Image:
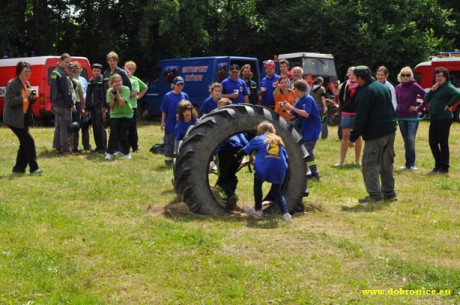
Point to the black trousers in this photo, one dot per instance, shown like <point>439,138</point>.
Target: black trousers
<point>76,117</point>
<point>227,167</point>
<point>132,135</point>
<point>119,128</point>
<point>99,133</point>
<point>438,137</point>
<point>27,154</point>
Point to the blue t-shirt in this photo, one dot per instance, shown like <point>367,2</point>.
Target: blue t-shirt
<point>310,127</point>
<point>182,127</point>
<point>270,161</point>
<point>234,143</point>
<point>169,106</point>
<point>270,85</point>
<point>229,86</point>
<point>208,105</point>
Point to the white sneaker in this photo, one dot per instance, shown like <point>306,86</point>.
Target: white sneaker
<point>118,153</point>
<point>286,217</point>
<point>36,172</point>
<point>108,157</point>
<point>251,212</point>
<point>403,167</point>
<point>128,156</point>
<point>413,168</point>
<point>340,165</point>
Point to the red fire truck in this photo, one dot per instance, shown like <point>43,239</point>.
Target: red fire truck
<point>42,66</point>
<point>423,74</point>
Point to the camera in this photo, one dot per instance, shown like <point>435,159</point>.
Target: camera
<point>33,92</point>
<point>114,92</point>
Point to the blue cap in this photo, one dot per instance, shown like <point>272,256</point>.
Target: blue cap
<point>178,80</point>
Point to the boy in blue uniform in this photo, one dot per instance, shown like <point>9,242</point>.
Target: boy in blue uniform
<point>305,108</point>
<point>227,164</point>
<point>169,108</point>
<point>234,88</point>
<point>270,166</point>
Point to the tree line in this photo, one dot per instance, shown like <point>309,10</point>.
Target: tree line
<point>394,33</point>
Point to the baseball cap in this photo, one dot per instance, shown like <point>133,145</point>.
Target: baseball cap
<point>270,63</point>
<point>362,71</point>
<point>178,80</point>
<point>234,68</point>
<point>96,66</point>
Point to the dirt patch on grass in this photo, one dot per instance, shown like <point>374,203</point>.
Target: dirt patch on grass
<point>172,209</point>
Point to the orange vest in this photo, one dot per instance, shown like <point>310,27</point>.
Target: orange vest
<point>25,104</point>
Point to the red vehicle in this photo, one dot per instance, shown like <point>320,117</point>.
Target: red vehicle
<point>42,66</point>
<point>423,74</point>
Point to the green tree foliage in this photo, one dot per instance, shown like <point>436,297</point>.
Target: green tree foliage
<point>393,32</point>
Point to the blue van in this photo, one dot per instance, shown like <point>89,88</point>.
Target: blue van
<point>198,72</point>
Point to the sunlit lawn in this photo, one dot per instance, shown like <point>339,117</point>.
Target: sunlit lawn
<point>94,232</point>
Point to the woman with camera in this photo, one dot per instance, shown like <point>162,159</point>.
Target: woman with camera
<point>19,98</point>
<point>121,114</point>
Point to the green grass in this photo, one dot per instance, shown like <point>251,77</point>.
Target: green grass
<point>94,232</point>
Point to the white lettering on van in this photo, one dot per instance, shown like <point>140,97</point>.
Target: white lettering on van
<point>2,91</point>
<point>193,78</point>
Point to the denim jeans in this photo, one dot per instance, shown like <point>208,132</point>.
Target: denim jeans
<point>408,131</point>
<point>276,189</point>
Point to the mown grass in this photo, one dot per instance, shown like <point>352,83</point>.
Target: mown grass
<point>92,232</point>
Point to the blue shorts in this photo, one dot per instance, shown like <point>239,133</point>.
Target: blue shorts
<point>347,120</point>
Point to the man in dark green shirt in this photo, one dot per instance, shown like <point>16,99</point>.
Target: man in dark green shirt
<point>375,121</point>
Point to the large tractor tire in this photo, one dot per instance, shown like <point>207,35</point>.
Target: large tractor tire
<point>192,162</point>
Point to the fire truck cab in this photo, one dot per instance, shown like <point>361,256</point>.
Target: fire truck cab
<point>42,67</point>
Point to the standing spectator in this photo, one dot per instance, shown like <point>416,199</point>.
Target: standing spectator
<point>347,102</point>
<point>296,74</point>
<point>375,121</point>
<point>268,85</point>
<point>382,76</point>
<point>169,108</point>
<point>85,118</point>
<point>139,88</point>
<point>121,114</point>
<point>318,92</point>
<point>234,87</point>
<point>211,102</point>
<point>407,115</point>
<point>284,67</point>
<point>310,126</point>
<point>80,105</point>
<point>112,61</point>
<point>19,98</point>
<point>442,96</point>
<point>246,74</point>
<point>270,166</point>
<point>94,104</point>
<point>62,105</point>
<point>283,95</point>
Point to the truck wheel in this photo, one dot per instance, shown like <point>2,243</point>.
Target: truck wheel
<point>145,114</point>
<point>191,165</point>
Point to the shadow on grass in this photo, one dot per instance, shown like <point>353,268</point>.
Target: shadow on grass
<point>371,207</point>
<point>348,166</point>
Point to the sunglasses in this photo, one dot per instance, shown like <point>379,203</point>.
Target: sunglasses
<point>405,75</point>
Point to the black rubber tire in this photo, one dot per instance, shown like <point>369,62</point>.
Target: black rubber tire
<point>191,165</point>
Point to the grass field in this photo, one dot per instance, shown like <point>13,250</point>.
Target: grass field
<point>94,232</point>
